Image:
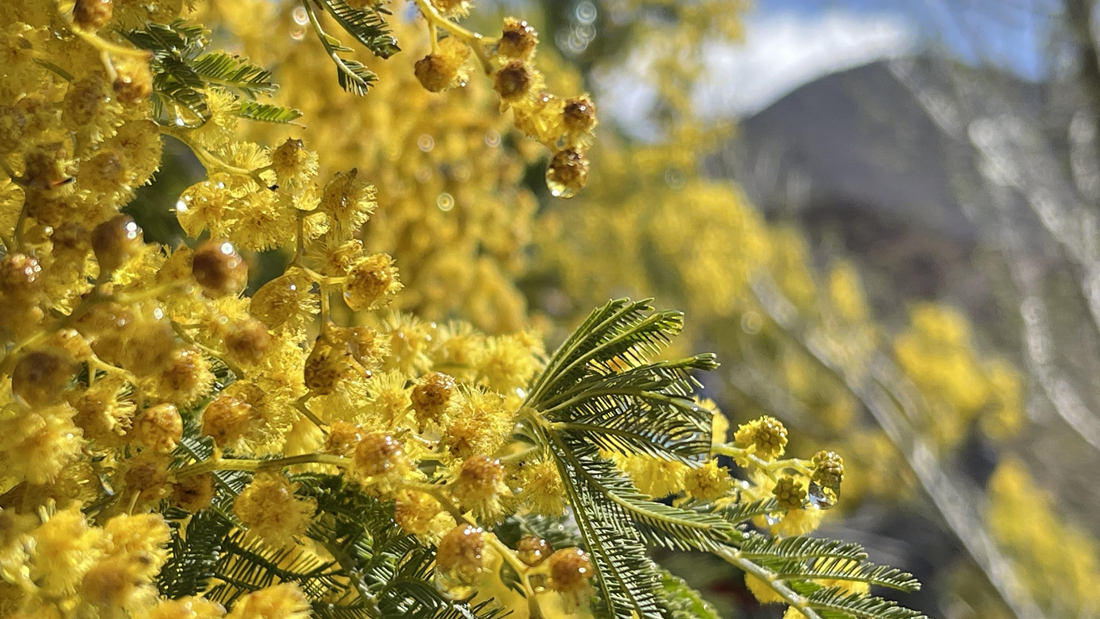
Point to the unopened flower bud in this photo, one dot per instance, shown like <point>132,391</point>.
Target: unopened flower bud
<point>92,14</point>
<point>570,570</point>
<point>226,418</point>
<point>247,341</point>
<point>478,481</point>
<point>40,377</point>
<point>193,492</point>
<point>579,115</point>
<point>461,552</point>
<point>159,428</point>
<point>115,241</point>
<point>219,269</point>
<point>377,454</point>
<point>532,550</point>
<point>134,82</point>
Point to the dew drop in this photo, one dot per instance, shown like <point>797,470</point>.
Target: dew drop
<point>820,496</point>
<point>557,188</point>
<point>451,586</point>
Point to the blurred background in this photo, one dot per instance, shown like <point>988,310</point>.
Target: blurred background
<point>882,215</point>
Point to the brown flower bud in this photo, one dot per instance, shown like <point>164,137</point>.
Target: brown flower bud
<point>226,418</point>
<point>193,492</point>
<point>532,550</point>
<point>479,480</point>
<point>40,377</point>
<point>378,453</point>
<point>513,80</point>
<point>570,570</point>
<point>219,269</point>
<point>461,552</point>
<point>579,114</point>
<point>343,438</point>
<point>92,14</point>
<point>517,40</point>
<point>134,82</point>
<point>115,241</point>
<point>247,341</point>
<point>159,428</point>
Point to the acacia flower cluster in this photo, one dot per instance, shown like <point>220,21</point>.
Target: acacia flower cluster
<point>174,446</point>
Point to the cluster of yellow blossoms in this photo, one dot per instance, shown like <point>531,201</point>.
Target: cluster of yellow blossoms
<point>126,358</point>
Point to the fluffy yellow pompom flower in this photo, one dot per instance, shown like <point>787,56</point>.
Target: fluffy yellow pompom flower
<point>269,509</point>
<point>284,601</point>
<point>65,547</point>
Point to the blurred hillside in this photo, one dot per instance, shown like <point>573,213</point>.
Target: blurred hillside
<point>950,183</point>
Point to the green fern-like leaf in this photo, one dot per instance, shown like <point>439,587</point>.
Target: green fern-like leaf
<point>367,25</point>
<point>265,112</point>
<point>233,73</point>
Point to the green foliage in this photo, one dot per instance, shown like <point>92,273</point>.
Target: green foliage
<point>366,25</point>
<point>600,390</point>
<point>182,72</point>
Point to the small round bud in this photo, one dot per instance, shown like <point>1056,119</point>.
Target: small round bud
<point>219,269</point>
<point>532,550</point>
<point>226,418</point>
<point>570,570</point>
<point>478,481</point>
<point>343,438</point>
<point>828,469</point>
<point>159,428</point>
<point>147,476</point>
<point>789,493</point>
<point>327,366</point>
<point>186,377</point>
<point>40,377</point>
<point>370,282</point>
<point>92,14</point>
<point>431,395</point>
<point>567,173</point>
<point>579,115</point>
<point>193,492</point>
<point>285,300</point>
<point>513,80</point>
<point>461,552</point>
<point>134,82</point>
<point>434,73</point>
<point>247,341</point>
<point>517,40</point>
<point>443,68</point>
<point>377,454</point>
<point>115,241</point>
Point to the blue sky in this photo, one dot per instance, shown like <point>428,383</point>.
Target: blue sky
<point>791,42</point>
